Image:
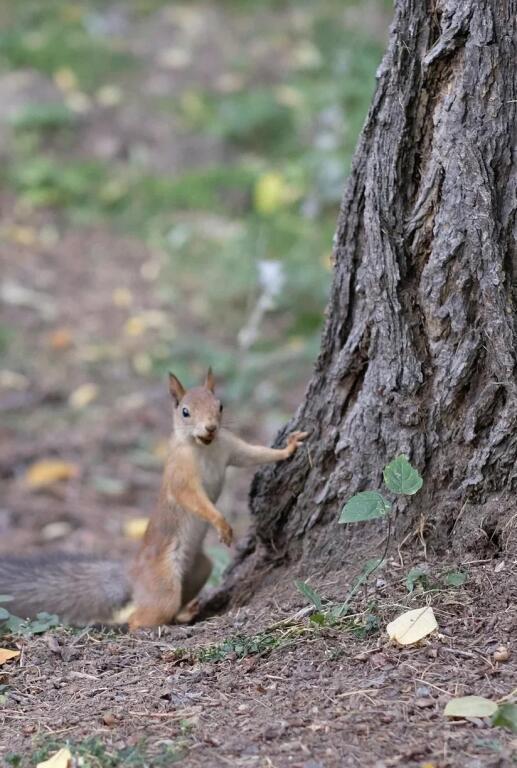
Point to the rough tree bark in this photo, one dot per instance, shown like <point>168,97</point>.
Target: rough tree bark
<point>419,350</point>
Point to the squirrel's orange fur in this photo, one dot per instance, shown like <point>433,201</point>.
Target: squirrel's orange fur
<point>171,568</point>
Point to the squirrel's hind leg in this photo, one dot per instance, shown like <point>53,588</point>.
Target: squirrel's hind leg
<point>156,595</point>
<point>196,578</point>
<point>193,583</point>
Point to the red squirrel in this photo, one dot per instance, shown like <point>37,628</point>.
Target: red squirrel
<point>170,568</point>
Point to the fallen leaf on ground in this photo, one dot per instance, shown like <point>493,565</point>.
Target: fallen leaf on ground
<point>61,338</point>
<point>412,626</point>
<point>122,297</point>
<point>135,528</point>
<point>65,79</point>
<point>272,192</point>
<point>83,396</point>
<point>501,654</point>
<point>56,530</point>
<point>13,380</point>
<point>6,655</point>
<point>109,95</point>
<point>61,759</point>
<point>49,471</point>
<point>470,706</point>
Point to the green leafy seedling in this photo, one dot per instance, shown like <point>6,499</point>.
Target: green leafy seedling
<point>415,576</point>
<point>367,505</point>
<point>310,594</point>
<point>401,477</point>
<point>369,567</point>
<point>506,717</point>
<point>456,578</point>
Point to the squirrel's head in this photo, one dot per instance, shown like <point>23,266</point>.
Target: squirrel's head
<point>197,411</point>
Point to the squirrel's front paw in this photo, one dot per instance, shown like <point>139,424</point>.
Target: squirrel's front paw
<point>225,532</point>
<point>294,440</point>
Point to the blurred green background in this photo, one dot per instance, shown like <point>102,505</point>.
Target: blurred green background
<point>170,181</point>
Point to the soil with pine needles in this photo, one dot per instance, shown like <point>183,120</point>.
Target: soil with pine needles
<point>265,686</point>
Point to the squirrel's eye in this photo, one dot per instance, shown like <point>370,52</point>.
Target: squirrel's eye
<point>186,413</point>
<point>221,408</point>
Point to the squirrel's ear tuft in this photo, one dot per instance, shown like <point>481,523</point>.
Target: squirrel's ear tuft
<point>210,381</point>
<point>176,388</point>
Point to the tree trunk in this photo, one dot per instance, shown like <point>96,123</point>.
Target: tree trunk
<point>419,350</point>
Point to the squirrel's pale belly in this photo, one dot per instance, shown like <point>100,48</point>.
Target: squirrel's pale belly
<point>191,534</point>
<point>212,468</point>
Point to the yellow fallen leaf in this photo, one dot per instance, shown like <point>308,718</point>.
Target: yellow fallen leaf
<point>109,95</point>
<point>412,626</point>
<point>272,192</point>
<point>122,297</point>
<point>61,338</point>
<point>13,380</point>
<point>470,706</point>
<point>6,654</point>
<point>289,96</point>
<point>135,326</point>
<point>152,319</point>
<point>83,396</point>
<point>49,471</point>
<point>65,79</point>
<point>230,82</point>
<point>174,58</point>
<point>142,363</point>
<point>78,102</point>
<point>136,528</point>
<point>269,193</point>
<point>306,56</point>
<point>61,759</point>
<point>23,235</point>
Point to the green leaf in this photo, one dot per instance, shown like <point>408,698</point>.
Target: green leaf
<point>366,505</point>
<point>506,717</point>
<point>415,575</point>
<point>470,706</point>
<point>14,624</point>
<point>318,618</point>
<point>4,614</point>
<point>401,477</point>
<point>456,578</point>
<point>310,594</point>
<point>25,627</point>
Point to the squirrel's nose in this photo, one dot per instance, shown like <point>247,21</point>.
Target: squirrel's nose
<point>211,428</point>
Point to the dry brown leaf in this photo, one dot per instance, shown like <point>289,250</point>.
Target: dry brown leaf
<point>412,626</point>
<point>49,471</point>
<point>61,759</point>
<point>6,655</point>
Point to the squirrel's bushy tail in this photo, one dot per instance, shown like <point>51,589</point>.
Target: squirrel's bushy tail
<point>79,588</point>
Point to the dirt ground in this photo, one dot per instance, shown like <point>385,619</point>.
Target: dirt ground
<point>261,685</point>
<point>268,693</point>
